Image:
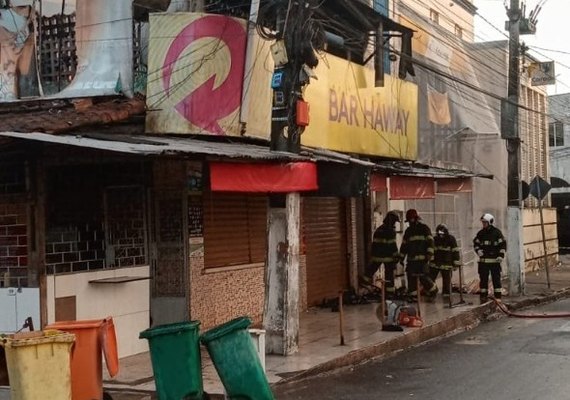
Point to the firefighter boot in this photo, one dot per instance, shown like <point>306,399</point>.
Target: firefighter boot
<point>432,294</point>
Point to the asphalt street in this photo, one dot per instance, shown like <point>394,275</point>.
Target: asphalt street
<point>507,359</point>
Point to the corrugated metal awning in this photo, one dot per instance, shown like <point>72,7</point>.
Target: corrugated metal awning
<point>181,146</point>
<point>417,169</point>
<point>401,168</point>
<point>159,145</point>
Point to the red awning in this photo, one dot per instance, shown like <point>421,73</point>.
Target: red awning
<point>263,177</point>
<point>378,183</point>
<point>410,187</point>
<point>454,185</point>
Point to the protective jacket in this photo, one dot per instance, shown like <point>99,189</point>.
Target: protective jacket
<point>384,246</point>
<point>417,243</point>
<point>491,242</point>
<point>447,254</point>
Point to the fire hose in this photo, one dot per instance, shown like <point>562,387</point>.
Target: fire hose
<point>505,310</point>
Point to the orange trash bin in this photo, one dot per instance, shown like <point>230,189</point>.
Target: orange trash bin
<point>92,338</point>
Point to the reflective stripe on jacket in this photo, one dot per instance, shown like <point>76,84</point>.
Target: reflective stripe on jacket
<point>384,245</point>
<point>417,243</point>
<point>447,254</point>
<point>492,243</point>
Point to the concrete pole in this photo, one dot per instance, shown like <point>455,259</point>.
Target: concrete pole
<point>515,251</point>
<point>281,316</point>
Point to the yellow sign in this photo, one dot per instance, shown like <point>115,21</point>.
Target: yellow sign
<point>349,114</point>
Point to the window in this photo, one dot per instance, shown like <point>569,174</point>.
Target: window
<point>434,16</point>
<point>458,31</point>
<point>96,218</point>
<point>556,134</point>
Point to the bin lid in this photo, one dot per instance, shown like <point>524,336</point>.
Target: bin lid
<point>224,329</point>
<point>84,324</point>
<point>168,329</point>
<point>48,337</point>
<point>109,344</point>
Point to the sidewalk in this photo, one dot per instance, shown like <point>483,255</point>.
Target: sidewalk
<point>320,349</point>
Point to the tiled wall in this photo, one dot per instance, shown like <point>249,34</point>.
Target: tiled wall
<point>126,226</point>
<point>217,297</point>
<point>13,244</point>
<point>75,248</point>
<point>13,224</point>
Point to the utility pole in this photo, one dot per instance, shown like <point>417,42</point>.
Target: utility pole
<point>510,131</point>
<point>282,296</point>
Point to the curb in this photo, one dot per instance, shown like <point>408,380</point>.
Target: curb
<point>539,300</point>
<point>463,321</point>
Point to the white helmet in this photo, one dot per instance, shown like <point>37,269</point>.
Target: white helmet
<point>488,218</point>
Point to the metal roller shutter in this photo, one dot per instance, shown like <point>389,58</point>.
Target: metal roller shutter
<point>235,229</point>
<point>324,229</point>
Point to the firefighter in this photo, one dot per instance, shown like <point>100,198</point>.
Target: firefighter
<point>417,248</point>
<point>385,251</point>
<point>490,246</point>
<point>446,258</point>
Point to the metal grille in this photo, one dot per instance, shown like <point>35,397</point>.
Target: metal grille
<point>57,51</point>
<point>235,229</point>
<point>325,233</point>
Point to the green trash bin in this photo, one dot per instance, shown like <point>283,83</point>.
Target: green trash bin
<point>176,361</point>
<point>233,353</point>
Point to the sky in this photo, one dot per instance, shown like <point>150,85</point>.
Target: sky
<point>552,33</point>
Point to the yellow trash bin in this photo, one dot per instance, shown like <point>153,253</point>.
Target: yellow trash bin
<point>39,367</point>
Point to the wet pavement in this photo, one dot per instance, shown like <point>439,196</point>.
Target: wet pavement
<point>320,340</point>
<point>524,359</point>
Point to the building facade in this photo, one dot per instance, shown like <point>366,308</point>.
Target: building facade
<point>151,193</point>
<point>559,140</point>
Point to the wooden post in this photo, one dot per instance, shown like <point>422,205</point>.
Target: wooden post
<point>450,290</point>
<point>419,291</point>
<point>341,318</point>
<point>383,308</point>
<point>544,242</point>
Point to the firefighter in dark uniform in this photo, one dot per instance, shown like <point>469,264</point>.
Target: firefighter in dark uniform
<point>447,257</point>
<point>490,246</point>
<point>385,251</point>
<point>418,249</point>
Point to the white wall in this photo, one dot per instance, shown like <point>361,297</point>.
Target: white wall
<point>17,304</point>
<point>128,303</point>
